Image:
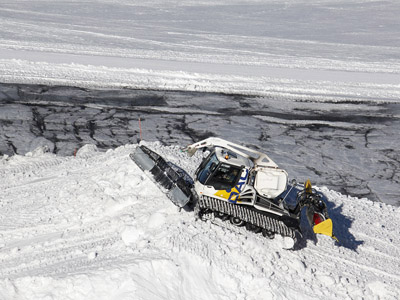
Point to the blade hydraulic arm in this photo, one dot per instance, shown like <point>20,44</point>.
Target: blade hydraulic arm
<point>258,158</point>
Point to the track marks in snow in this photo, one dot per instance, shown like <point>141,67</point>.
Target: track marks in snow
<point>98,219</point>
<point>15,167</point>
<point>57,253</point>
<point>51,224</point>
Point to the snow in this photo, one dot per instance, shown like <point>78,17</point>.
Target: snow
<point>94,226</point>
<point>326,50</point>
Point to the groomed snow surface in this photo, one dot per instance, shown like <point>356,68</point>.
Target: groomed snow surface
<point>342,50</point>
<point>94,226</point>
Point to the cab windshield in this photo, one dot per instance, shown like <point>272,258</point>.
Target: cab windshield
<point>225,177</point>
<point>221,176</point>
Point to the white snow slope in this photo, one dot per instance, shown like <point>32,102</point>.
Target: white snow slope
<point>95,226</point>
<point>337,50</point>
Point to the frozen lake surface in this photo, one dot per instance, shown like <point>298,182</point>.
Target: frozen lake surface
<point>349,147</point>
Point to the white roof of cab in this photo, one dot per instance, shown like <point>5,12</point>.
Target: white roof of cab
<point>232,158</point>
<point>258,158</point>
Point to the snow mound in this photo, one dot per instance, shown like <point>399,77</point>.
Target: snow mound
<point>94,226</point>
<point>86,150</point>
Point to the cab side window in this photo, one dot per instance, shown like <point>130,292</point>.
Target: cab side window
<point>210,166</point>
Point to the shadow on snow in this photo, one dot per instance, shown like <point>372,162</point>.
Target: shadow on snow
<point>341,226</point>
